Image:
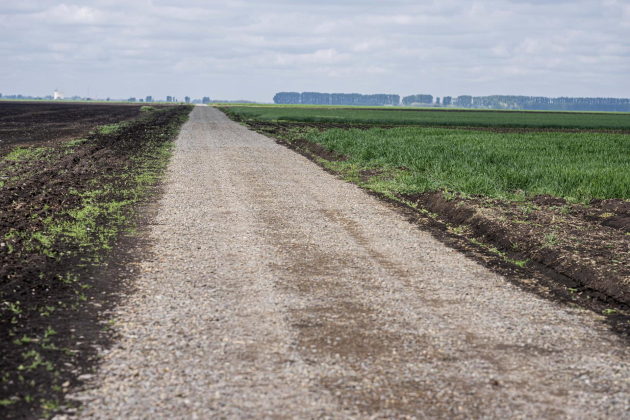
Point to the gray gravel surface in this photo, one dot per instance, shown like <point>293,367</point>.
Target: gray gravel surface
<point>276,290</point>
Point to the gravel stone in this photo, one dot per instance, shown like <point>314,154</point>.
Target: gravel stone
<point>276,290</point>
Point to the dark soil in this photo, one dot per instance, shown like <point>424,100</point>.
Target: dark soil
<point>278,128</point>
<point>44,124</point>
<point>570,239</point>
<point>55,297</point>
<point>573,253</point>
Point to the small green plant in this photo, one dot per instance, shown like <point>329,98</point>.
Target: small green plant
<point>458,230</point>
<point>23,340</point>
<point>49,332</point>
<point>76,142</point>
<point>526,209</point>
<point>50,405</point>
<point>609,311</point>
<point>449,195</point>
<point>519,263</point>
<point>551,239</point>
<point>15,308</point>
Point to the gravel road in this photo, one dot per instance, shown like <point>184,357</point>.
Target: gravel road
<point>276,290</point>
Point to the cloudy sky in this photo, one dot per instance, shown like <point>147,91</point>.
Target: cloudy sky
<point>245,49</point>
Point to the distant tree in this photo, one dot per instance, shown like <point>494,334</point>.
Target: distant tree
<point>187,99</point>
<point>141,100</point>
<point>149,99</point>
<point>315,98</point>
<point>437,101</point>
<point>131,100</point>
<point>206,100</point>
<point>169,99</point>
<point>0,95</point>
<point>464,101</point>
<point>447,101</point>
<point>417,99</point>
<point>287,98</point>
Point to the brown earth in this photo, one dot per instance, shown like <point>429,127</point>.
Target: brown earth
<point>279,128</point>
<point>45,124</point>
<point>571,239</point>
<point>584,249</point>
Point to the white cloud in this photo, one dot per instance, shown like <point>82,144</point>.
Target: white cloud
<point>246,49</point>
<point>320,57</point>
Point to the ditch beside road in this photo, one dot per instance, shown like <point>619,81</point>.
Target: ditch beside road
<point>276,290</point>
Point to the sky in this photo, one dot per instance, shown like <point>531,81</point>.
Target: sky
<point>244,49</point>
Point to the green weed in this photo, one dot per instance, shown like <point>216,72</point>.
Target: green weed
<point>551,239</point>
<point>108,129</point>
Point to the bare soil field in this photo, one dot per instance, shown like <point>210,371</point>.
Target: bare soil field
<point>24,123</point>
<point>585,246</point>
<point>65,212</point>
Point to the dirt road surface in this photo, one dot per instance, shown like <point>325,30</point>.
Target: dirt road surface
<point>275,290</point>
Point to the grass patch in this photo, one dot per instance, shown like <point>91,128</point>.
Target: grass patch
<point>574,166</point>
<point>20,154</point>
<point>110,128</point>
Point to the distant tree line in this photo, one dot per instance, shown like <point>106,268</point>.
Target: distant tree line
<point>316,98</point>
<point>543,103</point>
<point>463,101</point>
